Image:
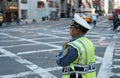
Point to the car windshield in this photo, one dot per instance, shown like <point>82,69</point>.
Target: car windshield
<point>85,14</point>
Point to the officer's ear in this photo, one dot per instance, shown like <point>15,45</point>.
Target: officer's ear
<point>78,30</point>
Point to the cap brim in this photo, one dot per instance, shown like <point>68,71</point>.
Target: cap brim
<point>81,21</point>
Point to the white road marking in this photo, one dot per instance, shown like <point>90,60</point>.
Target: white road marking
<point>29,40</point>
<point>98,33</point>
<point>101,22</point>
<point>115,74</point>
<point>9,40</point>
<point>98,59</point>
<point>24,74</point>
<point>2,56</point>
<point>32,52</point>
<point>28,44</point>
<point>60,32</point>
<point>54,36</point>
<point>116,66</point>
<point>36,51</point>
<point>54,68</point>
<point>18,75</point>
<point>116,60</point>
<point>36,69</point>
<point>57,42</point>
<point>106,62</point>
<point>43,38</point>
<point>117,54</point>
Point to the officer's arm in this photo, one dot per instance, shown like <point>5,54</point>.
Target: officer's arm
<point>66,59</point>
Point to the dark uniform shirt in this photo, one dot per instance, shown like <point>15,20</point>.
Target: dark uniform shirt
<point>71,55</point>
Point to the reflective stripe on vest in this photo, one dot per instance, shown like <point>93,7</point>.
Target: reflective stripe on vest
<point>84,48</point>
<point>80,69</point>
<point>81,49</point>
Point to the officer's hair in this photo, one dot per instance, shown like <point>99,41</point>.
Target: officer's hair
<point>84,30</point>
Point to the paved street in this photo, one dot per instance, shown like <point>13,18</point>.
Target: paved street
<point>29,51</point>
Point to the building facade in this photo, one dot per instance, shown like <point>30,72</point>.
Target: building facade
<point>37,9</point>
<point>116,4</point>
<point>108,5</point>
<point>110,8</point>
<point>28,9</point>
<point>9,8</point>
<point>96,4</point>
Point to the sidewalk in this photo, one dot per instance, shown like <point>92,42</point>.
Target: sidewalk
<point>28,22</point>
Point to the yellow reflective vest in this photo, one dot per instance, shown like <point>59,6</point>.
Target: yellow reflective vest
<point>84,64</point>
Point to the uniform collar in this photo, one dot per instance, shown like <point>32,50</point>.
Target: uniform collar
<point>77,37</point>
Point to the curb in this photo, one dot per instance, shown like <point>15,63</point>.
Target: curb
<point>24,22</point>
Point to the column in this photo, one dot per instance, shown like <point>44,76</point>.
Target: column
<point>19,9</point>
<point>71,8</point>
<point>106,3</point>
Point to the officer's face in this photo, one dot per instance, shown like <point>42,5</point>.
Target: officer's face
<point>73,31</point>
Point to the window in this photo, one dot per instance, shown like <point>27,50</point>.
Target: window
<point>51,3</point>
<point>23,1</point>
<point>56,4</point>
<point>12,4</point>
<point>24,14</point>
<point>40,4</point>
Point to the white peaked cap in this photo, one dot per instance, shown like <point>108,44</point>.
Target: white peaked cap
<point>81,21</point>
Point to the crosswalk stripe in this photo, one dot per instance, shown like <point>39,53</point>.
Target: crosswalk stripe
<point>36,69</point>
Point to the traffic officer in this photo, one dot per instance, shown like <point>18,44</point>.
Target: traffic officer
<point>77,56</point>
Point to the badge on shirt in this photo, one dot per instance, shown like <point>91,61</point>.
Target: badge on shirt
<point>65,52</point>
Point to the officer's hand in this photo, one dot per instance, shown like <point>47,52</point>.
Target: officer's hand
<point>60,52</point>
<point>59,55</point>
<point>66,43</point>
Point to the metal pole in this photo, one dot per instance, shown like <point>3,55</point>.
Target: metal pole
<point>19,9</point>
<point>45,10</point>
<point>3,9</point>
<point>70,8</point>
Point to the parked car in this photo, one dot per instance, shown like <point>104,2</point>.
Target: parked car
<point>87,17</point>
<point>110,16</point>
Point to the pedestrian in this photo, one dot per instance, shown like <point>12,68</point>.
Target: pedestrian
<point>77,55</point>
<point>94,18</point>
<point>119,19</point>
<point>113,19</point>
<point>116,22</point>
